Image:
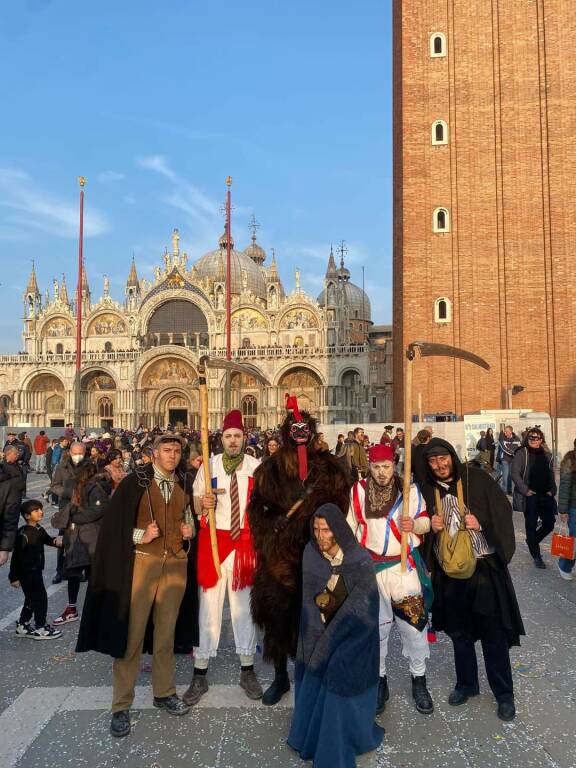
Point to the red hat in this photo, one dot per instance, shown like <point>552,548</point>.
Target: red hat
<point>380,452</point>
<point>233,420</point>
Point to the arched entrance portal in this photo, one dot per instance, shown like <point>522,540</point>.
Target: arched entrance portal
<point>168,393</point>
<point>306,385</point>
<point>97,399</point>
<point>179,409</point>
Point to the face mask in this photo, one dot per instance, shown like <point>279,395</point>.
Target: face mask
<point>77,458</point>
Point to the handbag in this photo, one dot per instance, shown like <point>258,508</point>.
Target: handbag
<point>563,545</point>
<point>76,554</point>
<point>455,553</point>
<point>61,518</point>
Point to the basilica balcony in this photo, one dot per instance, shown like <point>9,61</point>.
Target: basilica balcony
<point>122,355</point>
<point>293,351</point>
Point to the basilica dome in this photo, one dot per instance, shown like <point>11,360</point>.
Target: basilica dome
<point>213,267</point>
<point>355,298</point>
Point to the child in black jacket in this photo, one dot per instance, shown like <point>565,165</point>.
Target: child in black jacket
<point>26,567</point>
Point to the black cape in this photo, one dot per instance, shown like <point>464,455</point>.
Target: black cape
<point>336,678</point>
<point>106,612</point>
<point>486,500</point>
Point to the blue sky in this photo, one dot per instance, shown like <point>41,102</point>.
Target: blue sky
<point>157,102</point>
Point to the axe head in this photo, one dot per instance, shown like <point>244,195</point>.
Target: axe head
<point>431,349</point>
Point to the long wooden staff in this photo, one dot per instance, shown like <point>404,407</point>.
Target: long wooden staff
<point>407,452</point>
<point>426,349</point>
<point>206,463</point>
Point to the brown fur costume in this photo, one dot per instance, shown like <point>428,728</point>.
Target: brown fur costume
<point>279,541</point>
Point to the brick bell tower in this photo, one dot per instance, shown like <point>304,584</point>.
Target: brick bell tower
<point>485,200</point>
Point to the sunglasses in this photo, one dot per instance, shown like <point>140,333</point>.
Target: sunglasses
<point>534,437</point>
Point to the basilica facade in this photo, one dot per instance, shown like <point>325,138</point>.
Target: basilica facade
<point>140,356</point>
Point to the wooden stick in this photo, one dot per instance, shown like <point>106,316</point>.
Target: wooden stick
<point>206,466</point>
<point>407,453</point>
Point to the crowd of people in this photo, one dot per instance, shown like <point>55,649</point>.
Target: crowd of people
<point>315,549</point>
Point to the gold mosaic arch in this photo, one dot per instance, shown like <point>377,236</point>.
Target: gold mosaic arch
<point>168,371</point>
<point>57,328</point>
<point>106,324</point>
<point>248,320</point>
<point>298,318</point>
<point>45,382</point>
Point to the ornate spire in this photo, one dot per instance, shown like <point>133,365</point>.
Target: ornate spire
<point>273,276</point>
<point>32,287</point>
<point>132,281</point>
<point>331,270</point>
<point>85,286</point>
<point>64,291</point>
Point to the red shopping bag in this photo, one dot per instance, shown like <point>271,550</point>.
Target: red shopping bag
<point>563,546</point>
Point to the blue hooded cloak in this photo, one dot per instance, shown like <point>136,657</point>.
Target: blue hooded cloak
<point>336,676</point>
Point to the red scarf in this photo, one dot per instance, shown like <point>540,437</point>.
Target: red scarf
<point>244,562</point>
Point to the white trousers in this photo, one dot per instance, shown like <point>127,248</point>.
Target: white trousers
<point>394,585</point>
<point>210,616</point>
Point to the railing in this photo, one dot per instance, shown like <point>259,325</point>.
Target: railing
<point>133,354</point>
<point>70,357</point>
<point>306,351</point>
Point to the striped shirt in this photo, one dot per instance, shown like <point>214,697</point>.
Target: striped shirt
<point>453,521</point>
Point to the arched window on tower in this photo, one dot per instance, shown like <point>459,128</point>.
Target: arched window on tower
<point>437,45</point>
<point>439,133</point>
<point>441,220</point>
<point>442,310</point>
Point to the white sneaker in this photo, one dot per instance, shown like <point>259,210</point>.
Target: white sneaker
<point>24,630</point>
<point>46,633</point>
<point>564,575</point>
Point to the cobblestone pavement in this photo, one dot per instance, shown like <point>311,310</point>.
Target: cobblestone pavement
<point>54,704</point>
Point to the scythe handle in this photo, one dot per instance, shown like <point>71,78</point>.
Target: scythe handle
<point>407,454</point>
<point>206,468</point>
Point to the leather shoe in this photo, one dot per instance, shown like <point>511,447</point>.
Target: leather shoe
<point>421,695</point>
<point>198,687</point>
<point>57,579</point>
<point>172,704</point>
<point>280,685</point>
<point>458,697</point>
<point>120,723</point>
<point>249,682</point>
<point>506,711</point>
<point>539,563</point>
<point>383,694</point>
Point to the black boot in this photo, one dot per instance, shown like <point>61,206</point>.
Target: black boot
<point>280,686</point>
<point>421,696</point>
<point>383,694</point>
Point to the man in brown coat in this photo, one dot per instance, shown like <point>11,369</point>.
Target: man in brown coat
<point>143,545</point>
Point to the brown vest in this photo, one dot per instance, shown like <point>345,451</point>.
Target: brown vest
<point>168,516</point>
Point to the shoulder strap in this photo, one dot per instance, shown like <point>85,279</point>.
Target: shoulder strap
<point>461,506</point>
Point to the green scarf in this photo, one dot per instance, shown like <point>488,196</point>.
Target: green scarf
<point>231,463</point>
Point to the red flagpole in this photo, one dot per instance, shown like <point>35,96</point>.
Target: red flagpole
<point>228,272</point>
<point>82,182</point>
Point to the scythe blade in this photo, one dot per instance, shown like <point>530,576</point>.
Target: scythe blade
<point>431,349</point>
<point>231,365</point>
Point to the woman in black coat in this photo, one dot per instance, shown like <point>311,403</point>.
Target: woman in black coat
<point>89,502</point>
